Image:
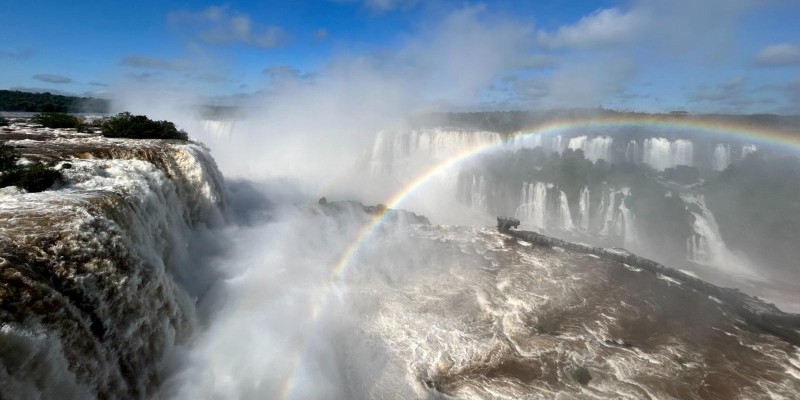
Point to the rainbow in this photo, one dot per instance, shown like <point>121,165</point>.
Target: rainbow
<point>733,130</point>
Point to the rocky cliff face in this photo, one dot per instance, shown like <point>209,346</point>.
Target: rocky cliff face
<point>89,298</point>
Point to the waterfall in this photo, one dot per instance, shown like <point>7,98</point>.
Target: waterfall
<point>556,143</point>
<point>594,149</point>
<point>101,265</point>
<point>564,213</point>
<point>721,158</point>
<point>221,129</point>
<point>472,191</point>
<point>660,153</point>
<point>705,245</point>
<point>478,199</point>
<point>748,149</point>
<point>583,204</point>
<point>616,218</point>
<point>521,140</point>
<point>632,152</point>
<point>628,225</point>
<point>607,214</point>
<point>405,153</point>
<point>578,143</point>
<point>682,153</point>
<point>533,204</point>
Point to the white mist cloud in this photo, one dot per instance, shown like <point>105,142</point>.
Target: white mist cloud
<point>318,130</point>
<point>140,61</point>
<point>589,85</point>
<point>218,25</point>
<point>23,54</point>
<point>52,78</point>
<point>382,6</point>
<point>779,55</point>
<point>601,28</point>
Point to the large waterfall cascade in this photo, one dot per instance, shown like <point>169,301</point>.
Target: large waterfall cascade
<point>96,264</point>
<point>540,199</point>
<point>593,149</point>
<point>533,204</point>
<point>404,153</point>
<point>661,153</point>
<point>748,149</point>
<point>705,245</point>
<point>220,129</point>
<point>721,157</point>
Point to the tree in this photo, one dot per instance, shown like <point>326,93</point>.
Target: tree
<point>8,157</point>
<point>34,177</point>
<point>58,120</point>
<point>127,125</point>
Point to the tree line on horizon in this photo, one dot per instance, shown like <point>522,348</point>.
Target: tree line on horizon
<point>18,101</point>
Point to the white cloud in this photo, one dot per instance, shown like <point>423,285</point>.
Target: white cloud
<point>779,55</point>
<point>382,6</point>
<point>16,55</point>
<point>52,78</point>
<point>601,28</point>
<point>724,92</point>
<point>694,30</point>
<point>467,51</point>
<point>284,73</point>
<point>219,26</point>
<point>139,61</point>
<point>589,85</point>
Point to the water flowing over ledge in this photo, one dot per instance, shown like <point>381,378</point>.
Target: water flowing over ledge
<point>753,310</point>
<point>89,293</point>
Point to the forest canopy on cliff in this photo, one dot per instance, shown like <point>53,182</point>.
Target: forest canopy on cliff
<point>14,100</point>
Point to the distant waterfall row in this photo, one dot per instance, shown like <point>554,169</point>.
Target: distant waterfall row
<point>547,208</point>
<point>405,153</point>
<point>601,214</point>
<point>598,213</point>
<point>657,152</point>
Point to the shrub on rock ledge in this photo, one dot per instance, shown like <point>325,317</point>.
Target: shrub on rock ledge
<point>129,126</point>
<point>34,177</point>
<point>58,120</point>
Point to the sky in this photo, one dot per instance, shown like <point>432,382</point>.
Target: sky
<point>730,56</point>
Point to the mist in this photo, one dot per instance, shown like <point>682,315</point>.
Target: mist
<point>273,322</point>
<point>276,320</point>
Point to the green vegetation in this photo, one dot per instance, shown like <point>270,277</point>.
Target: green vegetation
<point>59,120</point>
<point>3,121</point>
<point>34,177</point>
<point>581,375</point>
<point>8,157</point>
<point>126,125</point>
<point>13,100</point>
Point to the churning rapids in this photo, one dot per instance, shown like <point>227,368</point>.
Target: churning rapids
<point>142,276</point>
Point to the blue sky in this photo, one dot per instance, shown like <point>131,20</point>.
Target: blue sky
<point>653,55</point>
